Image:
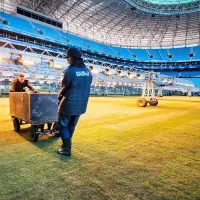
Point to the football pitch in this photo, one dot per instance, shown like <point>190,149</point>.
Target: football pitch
<point>120,152</point>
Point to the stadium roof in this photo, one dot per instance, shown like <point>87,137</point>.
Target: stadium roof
<point>133,23</point>
<point>170,1</point>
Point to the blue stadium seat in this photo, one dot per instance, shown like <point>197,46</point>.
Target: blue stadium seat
<point>170,73</point>
<point>196,51</point>
<point>28,27</point>
<point>164,54</point>
<point>196,81</point>
<point>191,73</point>
<point>107,50</point>
<point>156,54</point>
<point>48,32</point>
<point>122,53</point>
<point>18,24</point>
<point>140,54</point>
<point>180,54</point>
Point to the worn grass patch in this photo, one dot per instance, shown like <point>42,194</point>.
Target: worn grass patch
<point>120,152</point>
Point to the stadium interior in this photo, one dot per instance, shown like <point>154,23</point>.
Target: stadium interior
<point>133,48</point>
<point>36,43</point>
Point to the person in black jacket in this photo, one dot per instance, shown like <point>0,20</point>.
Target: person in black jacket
<point>73,97</point>
<point>19,84</point>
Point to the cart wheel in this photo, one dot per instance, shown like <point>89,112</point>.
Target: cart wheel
<point>49,126</point>
<point>55,128</point>
<point>16,124</point>
<point>142,102</point>
<point>42,128</point>
<point>153,102</point>
<point>34,134</point>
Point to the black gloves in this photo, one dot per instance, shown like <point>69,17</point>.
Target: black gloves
<point>60,97</point>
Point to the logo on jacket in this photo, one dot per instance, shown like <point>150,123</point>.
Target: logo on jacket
<point>82,73</point>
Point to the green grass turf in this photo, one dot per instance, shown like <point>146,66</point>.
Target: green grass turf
<point>120,152</point>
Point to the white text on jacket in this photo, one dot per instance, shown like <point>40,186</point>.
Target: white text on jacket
<point>82,73</point>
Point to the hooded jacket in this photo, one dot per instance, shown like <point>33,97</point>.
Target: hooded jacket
<point>75,89</point>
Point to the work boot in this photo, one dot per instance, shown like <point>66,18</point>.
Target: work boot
<point>66,148</point>
<point>63,146</point>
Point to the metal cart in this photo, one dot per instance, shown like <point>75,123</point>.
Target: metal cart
<point>35,109</point>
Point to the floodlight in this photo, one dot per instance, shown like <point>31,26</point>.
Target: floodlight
<point>129,75</point>
<point>106,71</point>
<point>119,73</point>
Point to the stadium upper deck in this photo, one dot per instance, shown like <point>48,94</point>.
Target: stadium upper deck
<point>33,29</point>
<point>127,23</point>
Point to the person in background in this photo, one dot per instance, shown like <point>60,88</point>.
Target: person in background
<point>19,84</point>
<point>73,98</point>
